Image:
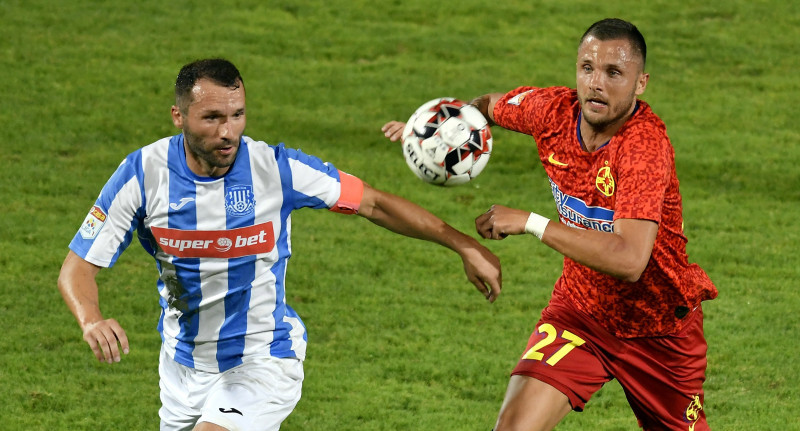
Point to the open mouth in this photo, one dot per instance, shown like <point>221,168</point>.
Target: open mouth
<point>597,103</point>
<point>228,150</point>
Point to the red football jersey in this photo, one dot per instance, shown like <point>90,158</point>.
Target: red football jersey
<point>630,177</point>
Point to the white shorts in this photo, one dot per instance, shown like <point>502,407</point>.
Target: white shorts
<point>257,395</point>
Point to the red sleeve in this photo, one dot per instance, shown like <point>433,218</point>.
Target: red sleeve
<point>352,190</point>
<point>644,169</point>
<point>530,110</point>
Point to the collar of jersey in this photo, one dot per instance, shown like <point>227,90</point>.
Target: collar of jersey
<point>194,176</point>
<point>580,118</point>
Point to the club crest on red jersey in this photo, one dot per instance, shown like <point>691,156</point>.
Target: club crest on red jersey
<point>605,181</point>
<point>239,200</point>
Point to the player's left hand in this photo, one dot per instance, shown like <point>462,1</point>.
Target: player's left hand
<point>500,222</point>
<point>393,130</point>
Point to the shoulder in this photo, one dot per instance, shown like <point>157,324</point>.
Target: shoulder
<point>527,95</point>
<point>534,109</point>
<point>644,141</point>
<point>159,150</point>
<point>285,157</point>
<point>646,129</point>
<point>645,122</point>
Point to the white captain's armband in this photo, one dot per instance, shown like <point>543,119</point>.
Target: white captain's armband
<point>350,196</point>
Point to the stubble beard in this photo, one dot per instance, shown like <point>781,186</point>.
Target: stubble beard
<point>197,147</point>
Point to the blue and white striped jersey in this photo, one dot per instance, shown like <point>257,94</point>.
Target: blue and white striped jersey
<point>221,245</point>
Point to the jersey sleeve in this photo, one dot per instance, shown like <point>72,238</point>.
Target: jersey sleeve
<point>317,184</point>
<point>109,227</point>
<point>643,174</point>
<point>516,110</point>
<point>532,110</point>
<point>352,190</point>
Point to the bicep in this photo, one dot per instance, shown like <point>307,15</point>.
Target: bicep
<point>639,237</point>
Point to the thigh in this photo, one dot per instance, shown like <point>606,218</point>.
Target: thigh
<point>181,394</point>
<point>531,404</point>
<point>257,395</point>
<point>562,352</point>
<point>663,379</point>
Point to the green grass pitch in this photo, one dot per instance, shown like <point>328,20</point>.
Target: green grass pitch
<point>398,339</point>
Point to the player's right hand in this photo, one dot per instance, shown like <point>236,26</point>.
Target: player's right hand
<point>393,130</point>
<point>500,222</point>
<point>483,270</point>
<point>106,338</point>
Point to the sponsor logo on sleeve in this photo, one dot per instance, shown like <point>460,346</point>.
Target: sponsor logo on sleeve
<point>224,244</point>
<point>93,222</point>
<point>517,100</point>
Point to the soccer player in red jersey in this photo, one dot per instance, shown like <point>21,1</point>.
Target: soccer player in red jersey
<point>627,305</point>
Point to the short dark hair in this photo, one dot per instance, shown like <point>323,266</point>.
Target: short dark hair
<point>218,70</point>
<point>615,28</point>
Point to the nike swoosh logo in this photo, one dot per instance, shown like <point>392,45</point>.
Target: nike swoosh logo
<point>179,205</point>
<point>552,160</point>
<point>230,410</point>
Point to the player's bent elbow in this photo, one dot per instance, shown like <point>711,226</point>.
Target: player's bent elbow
<point>632,273</point>
<point>630,270</point>
<point>632,278</point>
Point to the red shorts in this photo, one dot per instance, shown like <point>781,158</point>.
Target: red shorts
<point>662,376</point>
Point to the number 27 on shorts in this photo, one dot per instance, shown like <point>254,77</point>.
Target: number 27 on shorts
<point>551,334</point>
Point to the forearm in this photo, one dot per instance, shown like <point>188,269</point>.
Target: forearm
<point>623,254</point>
<point>406,218</point>
<point>604,252</point>
<point>78,287</point>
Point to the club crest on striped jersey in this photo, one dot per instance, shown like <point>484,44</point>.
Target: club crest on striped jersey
<point>239,200</point>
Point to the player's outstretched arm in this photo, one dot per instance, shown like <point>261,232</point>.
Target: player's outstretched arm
<point>623,254</point>
<point>79,289</point>
<point>407,218</point>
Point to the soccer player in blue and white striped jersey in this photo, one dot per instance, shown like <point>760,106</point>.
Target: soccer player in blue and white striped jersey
<point>213,207</point>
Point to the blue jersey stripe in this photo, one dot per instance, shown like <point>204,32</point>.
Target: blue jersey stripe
<point>241,273</point>
<point>282,345</point>
<point>188,276</point>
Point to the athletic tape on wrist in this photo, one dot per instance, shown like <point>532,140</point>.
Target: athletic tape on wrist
<point>536,225</point>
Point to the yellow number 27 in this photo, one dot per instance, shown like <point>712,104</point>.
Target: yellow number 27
<point>551,334</point>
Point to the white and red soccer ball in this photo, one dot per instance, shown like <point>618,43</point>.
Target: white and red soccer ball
<point>447,142</point>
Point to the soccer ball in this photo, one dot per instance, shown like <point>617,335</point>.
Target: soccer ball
<point>447,142</point>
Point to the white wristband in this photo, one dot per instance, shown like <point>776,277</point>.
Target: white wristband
<point>536,225</point>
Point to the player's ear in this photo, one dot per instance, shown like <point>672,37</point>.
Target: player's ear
<point>641,83</point>
<point>177,117</point>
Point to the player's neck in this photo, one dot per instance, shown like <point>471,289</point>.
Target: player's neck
<point>594,136</point>
<point>592,139</point>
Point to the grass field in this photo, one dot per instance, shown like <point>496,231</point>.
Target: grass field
<point>398,340</point>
